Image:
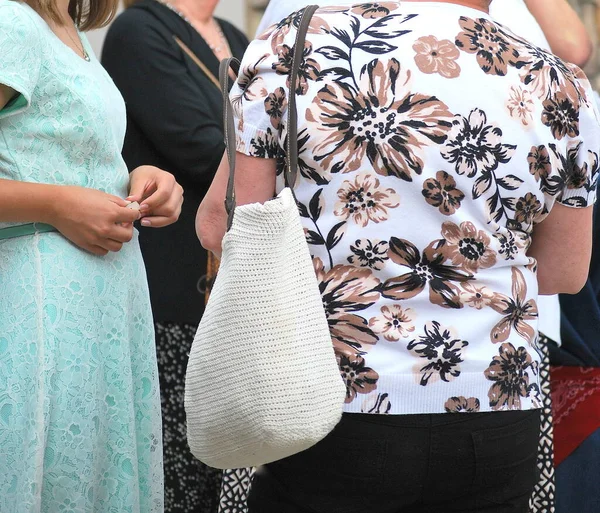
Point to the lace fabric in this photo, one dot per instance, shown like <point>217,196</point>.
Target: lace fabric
<point>80,424</point>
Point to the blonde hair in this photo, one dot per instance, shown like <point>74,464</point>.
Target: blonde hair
<point>87,14</point>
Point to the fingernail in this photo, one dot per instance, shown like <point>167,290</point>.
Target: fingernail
<point>146,222</point>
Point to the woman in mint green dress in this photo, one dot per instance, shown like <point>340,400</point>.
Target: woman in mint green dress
<point>80,423</point>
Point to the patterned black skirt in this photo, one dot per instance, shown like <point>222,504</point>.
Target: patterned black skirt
<point>190,486</point>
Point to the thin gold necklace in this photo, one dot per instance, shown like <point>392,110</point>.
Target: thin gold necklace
<point>83,50</point>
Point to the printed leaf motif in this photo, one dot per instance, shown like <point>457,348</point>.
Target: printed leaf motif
<point>341,72</point>
<point>380,29</point>
<point>316,205</point>
<point>375,47</point>
<point>482,184</point>
<point>332,53</point>
<point>314,238</point>
<point>335,235</point>
<point>342,36</point>
<point>303,210</point>
<point>355,27</point>
<point>509,182</point>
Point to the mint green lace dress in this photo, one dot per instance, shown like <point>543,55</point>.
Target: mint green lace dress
<point>80,425</point>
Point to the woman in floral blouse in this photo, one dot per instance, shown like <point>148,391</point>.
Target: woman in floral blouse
<point>447,173</point>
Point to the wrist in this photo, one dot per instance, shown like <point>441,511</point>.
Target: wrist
<point>52,203</point>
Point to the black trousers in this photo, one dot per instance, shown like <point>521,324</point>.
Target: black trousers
<point>466,463</point>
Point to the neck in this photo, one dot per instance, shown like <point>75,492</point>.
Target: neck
<point>480,5</point>
<point>200,11</point>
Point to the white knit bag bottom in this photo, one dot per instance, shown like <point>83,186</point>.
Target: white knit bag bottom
<point>262,379</point>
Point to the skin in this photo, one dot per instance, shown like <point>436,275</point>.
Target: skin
<point>563,29</point>
<point>561,243</point>
<point>93,220</point>
<point>200,13</point>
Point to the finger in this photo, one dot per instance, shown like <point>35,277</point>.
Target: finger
<point>121,233</point>
<point>158,221</point>
<point>112,245</point>
<point>126,215</point>
<point>138,190</point>
<point>162,194</point>
<point>118,201</point>
<point>96,250</point>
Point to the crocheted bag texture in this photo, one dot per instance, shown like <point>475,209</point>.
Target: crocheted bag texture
<point>262,380</point>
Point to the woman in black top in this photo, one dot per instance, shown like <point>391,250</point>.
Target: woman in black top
<point>174,121</point>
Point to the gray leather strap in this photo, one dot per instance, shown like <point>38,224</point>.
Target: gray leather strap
<point>229,126</point>
<point>291,169</point>
<point>292,118</point>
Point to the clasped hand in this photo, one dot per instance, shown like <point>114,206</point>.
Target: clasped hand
<point>99,222</point>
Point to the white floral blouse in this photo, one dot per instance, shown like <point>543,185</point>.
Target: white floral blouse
<point>431,142</point>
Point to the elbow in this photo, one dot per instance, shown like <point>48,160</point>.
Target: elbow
<point>208,233</point>
<point>582,54</point>
<point>579,52</point>
<point>565,283</point>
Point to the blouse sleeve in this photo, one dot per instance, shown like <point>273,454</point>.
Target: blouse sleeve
<point>574,179</point>
<point>260,95</point>
<point>20,55</point>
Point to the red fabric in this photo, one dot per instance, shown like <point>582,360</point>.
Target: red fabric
<point>575,407</point>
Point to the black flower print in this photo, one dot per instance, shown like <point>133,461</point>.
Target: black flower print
<point>252,86</point>
<point>376,403</point>
<point>516,310</point>
<point>484,38</point>
<point>539,162</point>
<point>467,247</point>
<point>441,192</point>
<point>545,74</point>
<point>426,269</point>
<point>309,68</point>
<point>279,31</point>
<point>275,104</point>
<point>444,351</point>
<point>462,405</point>
<point>374,9</point>
<point>528,209</point>
<point>510,373</point>
<point>474,146</point>
<point>265,146</point>
<point>512,242</point>
<point>388,126</point>
<point>346,289</point>
<point>561,115</point>
<point>359,378</point>
<point>367,253</point>
<point>571,173</point>
<point>364,200</point>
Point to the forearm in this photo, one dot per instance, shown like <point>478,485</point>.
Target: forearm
<point>24,202</point>
<point>563,29</point>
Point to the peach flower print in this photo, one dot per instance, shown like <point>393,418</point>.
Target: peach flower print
<point>435,56</point>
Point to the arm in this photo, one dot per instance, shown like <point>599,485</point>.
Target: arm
<point>254,183</point>
<point>563,29</point>
<point>164,100</point>
<point>6,94</point>
<point>562,246</point>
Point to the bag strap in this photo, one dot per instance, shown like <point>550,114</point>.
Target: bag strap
<point>197,61</point>
<point>291,170</point>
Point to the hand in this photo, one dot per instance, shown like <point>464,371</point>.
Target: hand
<point>159,195</point>
<point>93,220</point>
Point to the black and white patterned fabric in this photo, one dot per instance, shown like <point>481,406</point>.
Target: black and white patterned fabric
<point>542,500</point>
<point>190,486</point>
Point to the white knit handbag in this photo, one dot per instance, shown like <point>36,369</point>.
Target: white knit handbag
<point>262,379</point>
